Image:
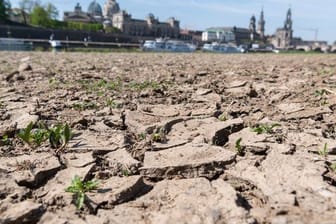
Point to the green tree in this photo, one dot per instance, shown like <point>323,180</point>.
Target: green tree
<point>4,9</point>
<point>44,16</point>
<point>52,11</point>
<point>40,17</point>
<point>27,6</point>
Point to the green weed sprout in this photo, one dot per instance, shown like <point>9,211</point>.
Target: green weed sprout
<point>142,136</point>
<point>26,134</point>
<point>5,140</point>
<point>59,136</point>
<point>84,106</point>
<point>33,137</point>
<point>79,188</point>
<point>222,117</point>
<point>264,128</point>
<point>238,147</point>
<point>320,93</point>
<point>324,152</point>
<point>156,137</point>
<point>333,167</point>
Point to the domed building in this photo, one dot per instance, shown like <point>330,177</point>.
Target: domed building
<point>95,9</point>
<point>111,8</point>
<point>94,14</point>
<point>120,19</point>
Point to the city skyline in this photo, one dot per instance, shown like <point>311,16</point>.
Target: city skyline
<point>200,14</point>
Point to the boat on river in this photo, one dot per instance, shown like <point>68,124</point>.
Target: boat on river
<point>161,45</point>
<point>222,48</point>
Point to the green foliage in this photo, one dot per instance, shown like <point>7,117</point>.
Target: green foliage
<point>93,27</point>
<point>125,172</point>
<point>29,5</point>
<point>265,128</point>
<point>84,106</point>
<point>321,92</point>
<point>142,136</point>
<point>59,136</point>
<point>52,11</point>
<point>101,85</point>
<point>156,137</point>
<point>143,85</point>
<point>222,117</point>
<point>112,30</point>
<point>5,140</point>
<point>39,136</point>
<point>26,134</point>
<point>238,147</point>
<point>4,9</point>
<point>40,17</point>
<point>79,188</point>
<point>333,167</point>
<point>322,95</point>
<point>324,152</point>
<point>159,135</point>
<point>111,103</point>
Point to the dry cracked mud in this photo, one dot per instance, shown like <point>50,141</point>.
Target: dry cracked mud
<point>171,138</point>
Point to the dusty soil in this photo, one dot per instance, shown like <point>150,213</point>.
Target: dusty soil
<point>161,134</point>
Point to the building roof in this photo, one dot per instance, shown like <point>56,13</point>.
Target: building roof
<point>95,9</point>
<point>228,28</point>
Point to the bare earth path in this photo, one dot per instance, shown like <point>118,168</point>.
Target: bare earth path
<point>161,133</point>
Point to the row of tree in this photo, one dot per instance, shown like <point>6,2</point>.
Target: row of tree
<point>34,13</point>
<point>4,9</point>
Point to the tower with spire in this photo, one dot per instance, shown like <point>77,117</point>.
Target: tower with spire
<point>252,27</point>
<point>283,37</point>
<point>289,23</point>
<point>261,25</point>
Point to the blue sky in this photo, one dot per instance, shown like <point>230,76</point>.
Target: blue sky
<point>200,14</point>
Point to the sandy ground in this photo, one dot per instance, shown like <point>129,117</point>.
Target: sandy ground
<point>171,138</point>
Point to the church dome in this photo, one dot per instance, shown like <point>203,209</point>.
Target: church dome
<point>111,7</point>
<point>95,9</point>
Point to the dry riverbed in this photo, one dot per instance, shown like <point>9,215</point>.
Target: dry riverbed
<point>171,138</point>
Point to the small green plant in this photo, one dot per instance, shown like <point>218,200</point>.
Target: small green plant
<point>79,188</point>
<point>324,152</point>
<point>125,172</point>
<point>143,85</point>
<point>333,167</point>
<point>265,128</point>
<point>59,136</point>
<point>84,106</point>
<point>322,95</point>
<point>321,92</point>
<point>238,147</point>
<point>142,136</point>
<point>101,86</point>
<point>156,137</point>
<point>26,134</point>
<point>222,117</point>
<point>113,104</point>
<point>5,140</point>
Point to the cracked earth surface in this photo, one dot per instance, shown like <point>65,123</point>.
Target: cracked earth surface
<point>160,133</point>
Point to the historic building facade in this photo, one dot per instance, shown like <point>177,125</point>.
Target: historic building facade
<point>237,34</point>
<point>113,16</point>
<point>150,26</point>
<point>283,37</point>
<point>93,15</point>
